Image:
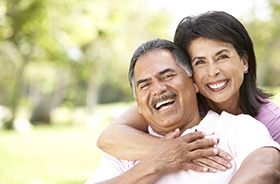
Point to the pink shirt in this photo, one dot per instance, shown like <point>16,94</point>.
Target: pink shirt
<point>269,115</point>
<point>239,136</point>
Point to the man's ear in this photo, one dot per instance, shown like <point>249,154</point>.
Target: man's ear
<point>196,88</point>
<point>139,110</point>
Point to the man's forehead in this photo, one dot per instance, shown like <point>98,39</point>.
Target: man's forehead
<point>155,62</point>
<point>159,56</point>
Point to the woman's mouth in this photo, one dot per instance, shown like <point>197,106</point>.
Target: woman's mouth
<point>217,86</point>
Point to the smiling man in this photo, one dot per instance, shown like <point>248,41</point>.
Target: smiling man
<point>161,90</point>
<point>160,76</point>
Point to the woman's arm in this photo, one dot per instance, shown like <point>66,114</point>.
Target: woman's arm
<point>158,162</point>
<point>260,167</point>
<point>126,137</point>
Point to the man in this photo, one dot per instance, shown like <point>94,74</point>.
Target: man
<point>160,77</point>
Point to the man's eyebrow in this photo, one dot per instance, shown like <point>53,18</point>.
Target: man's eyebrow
<point>160,73</point>
<point>141,81</point>
<point>166,70</point>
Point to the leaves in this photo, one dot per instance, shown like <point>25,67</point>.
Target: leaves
<point>85,45</point>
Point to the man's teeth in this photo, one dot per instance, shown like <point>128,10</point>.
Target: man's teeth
<point>217,85</point>
<point>158,105</point>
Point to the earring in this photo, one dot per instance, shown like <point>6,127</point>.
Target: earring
<point>246,72</point>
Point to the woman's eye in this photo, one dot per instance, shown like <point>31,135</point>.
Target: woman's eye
<point>198,62</point>
<point>223,57</point>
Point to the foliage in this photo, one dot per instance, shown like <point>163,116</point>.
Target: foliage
<point>266,37</point>
<point>71,51</point>
<point>76,53</point>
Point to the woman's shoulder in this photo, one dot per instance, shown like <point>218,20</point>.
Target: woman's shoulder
<point>269,109</point>
<point>269,115</point>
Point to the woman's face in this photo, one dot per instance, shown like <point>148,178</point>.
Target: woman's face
<point>218,69</point>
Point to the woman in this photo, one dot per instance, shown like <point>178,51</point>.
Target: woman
<point>235,91</point>
<point>246,97</point>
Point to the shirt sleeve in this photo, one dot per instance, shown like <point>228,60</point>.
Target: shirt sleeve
<point>108,168</point>
<point>269,115</point>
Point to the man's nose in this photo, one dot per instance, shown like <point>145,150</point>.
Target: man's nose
<point>159,87</point>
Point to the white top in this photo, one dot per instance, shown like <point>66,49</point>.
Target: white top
<point>238,135</point>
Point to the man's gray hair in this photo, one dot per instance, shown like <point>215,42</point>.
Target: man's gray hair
<point>152,45</point>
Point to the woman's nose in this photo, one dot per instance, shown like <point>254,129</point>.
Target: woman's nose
<point>213,70</point>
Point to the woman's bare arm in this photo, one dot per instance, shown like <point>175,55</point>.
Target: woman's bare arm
<point>260,167</point>
<point>159,161</point>
<point>126,137</point>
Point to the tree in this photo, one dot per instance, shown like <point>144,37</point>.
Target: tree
<point>68,51</point>
<point>265,34</point>
<point>23,18</point>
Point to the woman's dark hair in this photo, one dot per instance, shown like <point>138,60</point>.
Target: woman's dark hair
<point>221,26</point>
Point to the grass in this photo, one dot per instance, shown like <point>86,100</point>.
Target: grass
<point>59,154</point>
<point>48,155</point>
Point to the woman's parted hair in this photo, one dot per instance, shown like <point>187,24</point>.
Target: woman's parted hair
<point>221,26</point>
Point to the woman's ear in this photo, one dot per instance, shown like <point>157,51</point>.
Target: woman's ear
<point>196,88</point>
<point>245,63</point>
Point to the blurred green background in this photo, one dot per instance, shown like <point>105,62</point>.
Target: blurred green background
<point>63,78</point>
<point>57,154</point>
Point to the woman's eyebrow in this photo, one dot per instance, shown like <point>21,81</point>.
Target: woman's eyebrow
<point>198,57</point>
<point>217,53</point>
<point>221,51</point>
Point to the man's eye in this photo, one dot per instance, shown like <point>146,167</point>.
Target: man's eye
<point>144,86</point>
<point>168,76</point>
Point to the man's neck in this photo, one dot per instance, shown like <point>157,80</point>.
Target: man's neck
<point>193,121</point>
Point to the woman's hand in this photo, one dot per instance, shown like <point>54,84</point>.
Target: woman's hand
<point>220,162</point>
<point>189,152</point>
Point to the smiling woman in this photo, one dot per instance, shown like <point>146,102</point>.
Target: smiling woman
<point>218,72</point>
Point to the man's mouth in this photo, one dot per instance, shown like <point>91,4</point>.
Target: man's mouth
<point>163,101</point>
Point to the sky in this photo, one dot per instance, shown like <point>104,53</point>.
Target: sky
<point>237,8</point>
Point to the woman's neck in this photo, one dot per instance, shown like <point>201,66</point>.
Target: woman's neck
<point>230,107</point>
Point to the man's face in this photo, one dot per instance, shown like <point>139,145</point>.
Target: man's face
<point>165,94</point>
